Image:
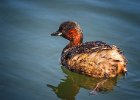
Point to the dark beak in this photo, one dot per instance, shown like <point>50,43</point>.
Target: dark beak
<point>56,34</point>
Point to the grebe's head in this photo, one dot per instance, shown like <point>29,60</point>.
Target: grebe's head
<point>71,31</point>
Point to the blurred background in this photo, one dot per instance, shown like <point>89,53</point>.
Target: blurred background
<point>30,66</point>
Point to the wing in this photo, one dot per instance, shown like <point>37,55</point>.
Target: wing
<point>86,48</point>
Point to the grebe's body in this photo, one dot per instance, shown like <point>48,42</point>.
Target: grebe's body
<point>95,58</point>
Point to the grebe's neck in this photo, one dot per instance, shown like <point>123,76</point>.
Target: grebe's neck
<point>74,42</point>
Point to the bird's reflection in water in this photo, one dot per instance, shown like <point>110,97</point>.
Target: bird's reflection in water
<point>68,88</point>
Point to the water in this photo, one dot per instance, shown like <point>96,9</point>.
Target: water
<point>30,58</point>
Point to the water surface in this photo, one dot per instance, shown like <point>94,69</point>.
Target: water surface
<point>30,58</point>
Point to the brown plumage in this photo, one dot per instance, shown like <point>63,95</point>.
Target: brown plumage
<point>95,58</point>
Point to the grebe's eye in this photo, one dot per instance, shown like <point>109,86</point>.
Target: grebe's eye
<point>60,29</point>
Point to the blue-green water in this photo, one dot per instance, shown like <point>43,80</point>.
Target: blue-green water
<point>30,58</point>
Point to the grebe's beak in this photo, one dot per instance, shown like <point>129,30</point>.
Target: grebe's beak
<point>56,34</point>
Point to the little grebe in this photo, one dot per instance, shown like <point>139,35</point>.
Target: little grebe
<point>95,58</point>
